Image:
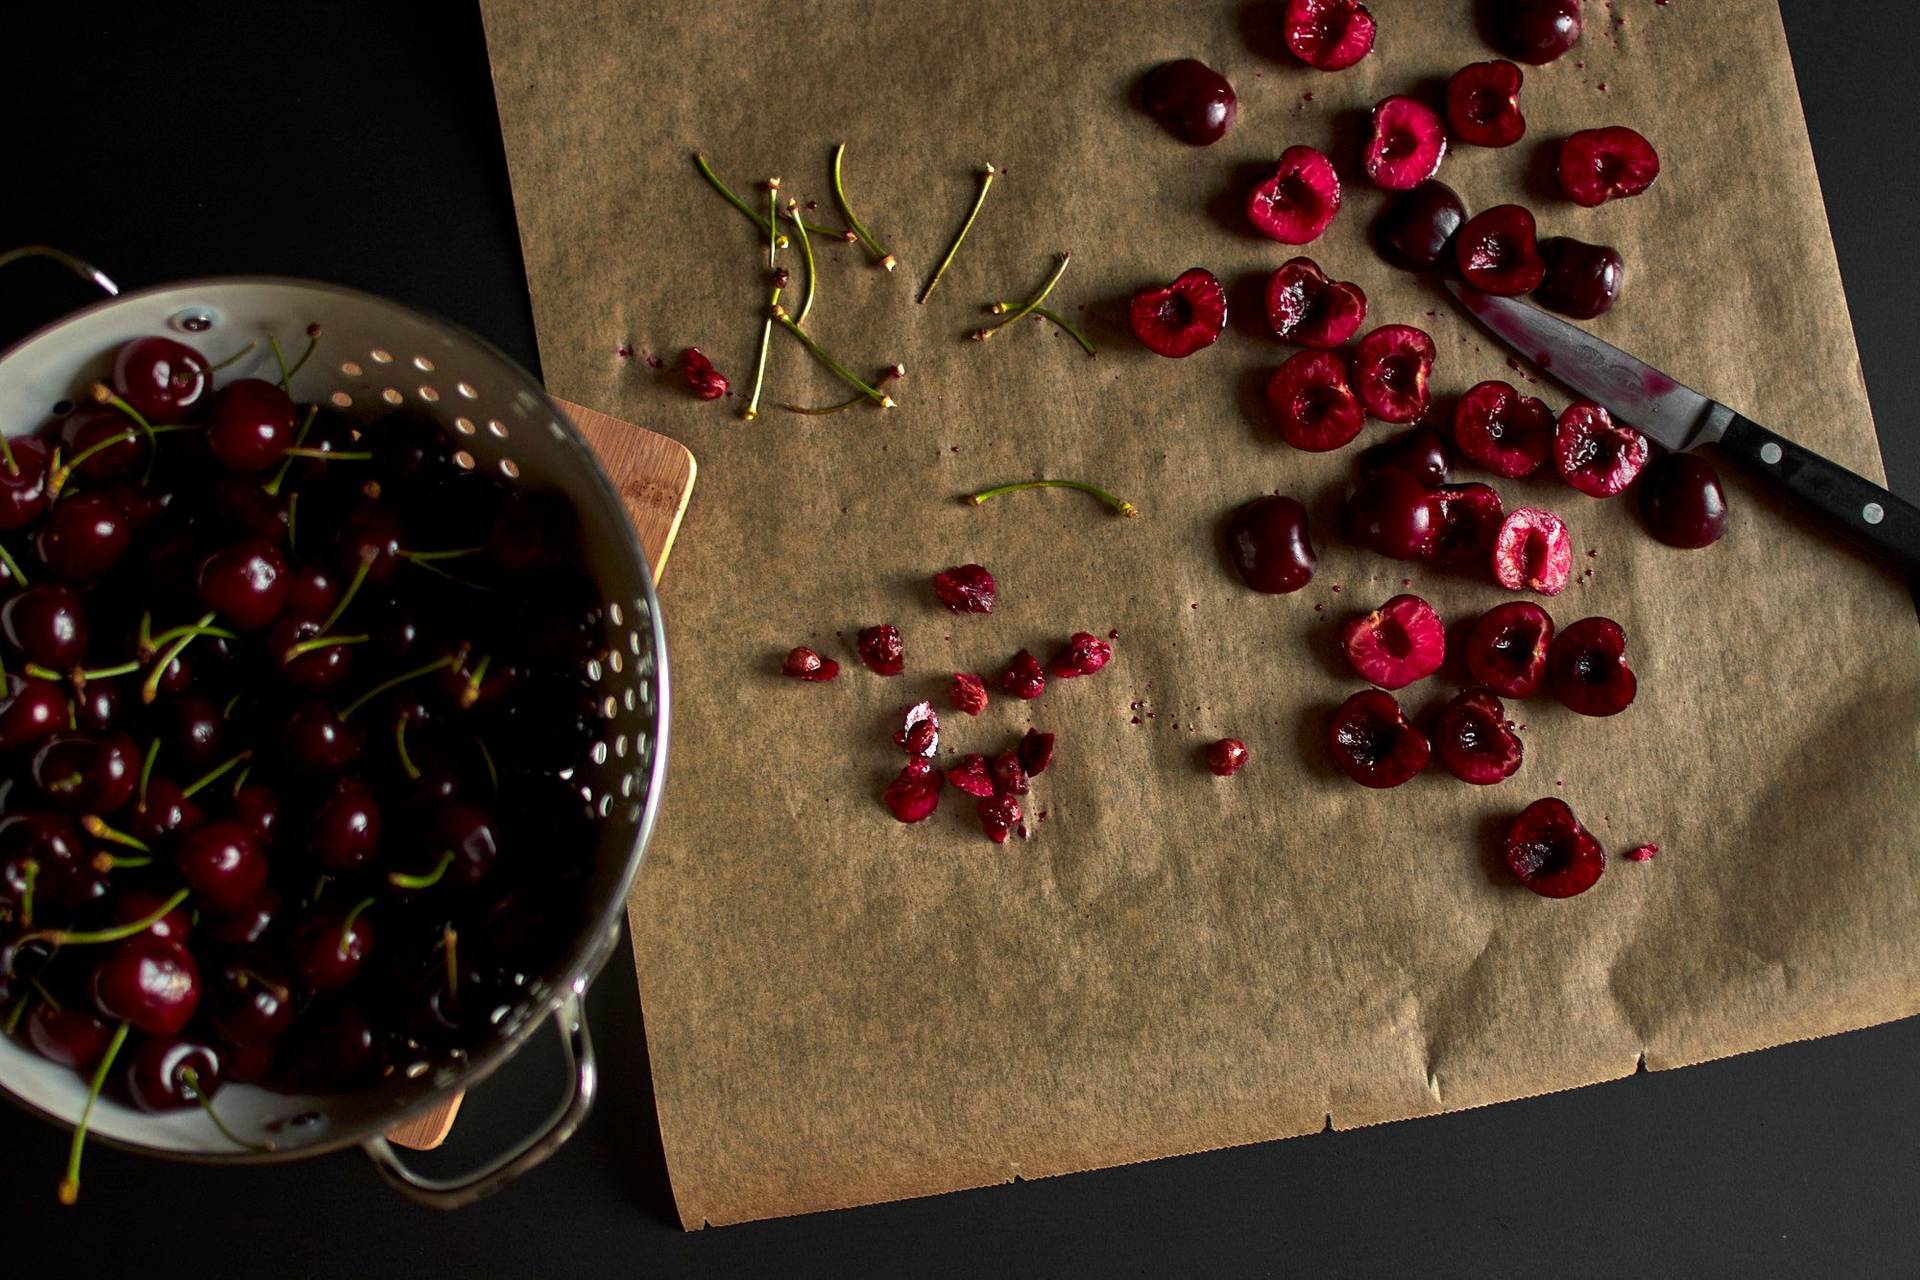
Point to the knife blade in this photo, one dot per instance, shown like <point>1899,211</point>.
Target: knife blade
<point>1681,418</point>
<point>1627,387</point>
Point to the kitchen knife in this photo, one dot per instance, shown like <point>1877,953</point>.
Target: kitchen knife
<point>1681,418</point>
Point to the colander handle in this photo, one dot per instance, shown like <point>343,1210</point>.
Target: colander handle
<point>79,266</point>
<point>452,1193</point>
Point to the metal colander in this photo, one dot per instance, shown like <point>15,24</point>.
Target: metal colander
<point>374,356</point>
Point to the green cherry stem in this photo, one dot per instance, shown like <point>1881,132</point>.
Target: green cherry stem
<point>192,1079</point>
<point>96,826</point>
<point>153,644</point>
<point>367,557</point>
<point>450,949</point>
<point>404,880</point>
<point>874,247</point>
<point>103,394</point>
<point>63,469</point>
<point>424,557</point>
<point>214,774</point>
<point>299,438</point>
<point>313,340</point>
<point>70,1185</point>
<point>752,410</point>
<point>986,185</point>
<point>29,873</point>
<point>880,398</point>
<point>400,746</point>
<point>13,1016</point>
<point>13,566</point>
<point>1120,505</point>
<point>470,692</point>
<point>305,647</point>
<point>395,682</point>
<point>293,514</point>
<point>330,455</point>
<point>280,360</point>
<point>346,925</point>
<point>215,368</point>
<point>823,410</point>
<point>79,678</point>
<point>146,769</point>
<point>981,335</point>
<point>1072,330</point>
<point>6,452</point>
<point>151,688</point>
<point>806,256</point>
<point>107,863</point>
<point>118,933</point>
<point>707,172</point>
<point>240,779</point>
<point>486,758</point>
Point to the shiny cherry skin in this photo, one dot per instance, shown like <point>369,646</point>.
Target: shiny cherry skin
<point>246,583</point>
<point>333,1048</point>
<point>317,739</point>
<point>31,712</point>
<point>468,831</point>
<point>371,532</point>
<point>93,425</point>
<point>165,380</point>
<point>243,502</point>
<point>1191,100</point>
<point>46,623</point>
<point>406,447</point>
<point>1269,543</point>
<point>1415,231</point>
<point>148,981</point>
<point>1421,452</point>
<point>321,668</point>
<point>83,536</point>
<point>222,864</point>
<point>163,814</point>
<point>314,589</point>
<point>68,1035</point>
<point>1582,279</point>
<point>257,808</point>
<point>249,998</point>
<point>193,729</point>
<point>1682,502</point>
<point>64,874</point>
<point>250,923</point>
<point>344,833</point>
<point>1538,31</point>
<point>1390,514</point>
<point>168,1073</point>
<point>252,427</point>
<point>97,706</point>
<point>23,486</point>
<point>86,773</point>
<point>327,950</point>
<point>132,905</point>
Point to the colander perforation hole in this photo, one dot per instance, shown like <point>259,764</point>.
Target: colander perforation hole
<point>380,356</point>
<point>340,400</point>
<point>463,459</point>
<point>423,364</point>
<point>467,390</point>
<point>464,426</point>
<point>351,369</point>
<point>392,395</point>
<point>429,394</point>
<point>510,468</point>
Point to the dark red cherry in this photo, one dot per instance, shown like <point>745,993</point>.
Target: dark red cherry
<point>1389,513</point>
<point>31,712</point>
<point>193,729</point>
<point>374,533</point>
<point>252,427</point>
<point>68,1035</point>
<point>1682,502</point>
<point>244,503</point>
<point>466,831</point>
<point>163,814</point>
<point>407,447</point>
<point>46,624</point>
<point>97,705</point>
<point>88,774</point>
<point>250,923</point>
<point>536,530</point>
<point>23,483</point>
<point>1538,31</point>
<point>315,738</point>
<point>248,999</point>
<point>63,867</point>
<point>257,808</point>
<point>331,1049</point>
<point>246,583</point>
<point>1582,279</point>
<point>161,378</point>
<point>1422,453</point>
<point>222,864</point>
<point>320,668</point>
<point>83,536</point>
<point>92,426</point>
<point>314,589</point>
<point>130,906</point>
<point>169,1074</point>
<point>328,947</point>
<point>152,983</point>
<point>1269,544</point>
<point>344,833</point>
<point>1192,100</point>
<point>1415,230</point>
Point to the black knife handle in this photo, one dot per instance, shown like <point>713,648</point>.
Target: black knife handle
<point>1867,513</point>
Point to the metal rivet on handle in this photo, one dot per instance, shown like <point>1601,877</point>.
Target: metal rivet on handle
<point>1873,513</point>
<point>1769,453</point>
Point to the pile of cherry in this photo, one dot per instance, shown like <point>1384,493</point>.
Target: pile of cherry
<point>997,783</point>
<point>1403,505</point>
<point>292,712</point>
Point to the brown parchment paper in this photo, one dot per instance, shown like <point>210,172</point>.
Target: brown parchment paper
<point>841,1009</point>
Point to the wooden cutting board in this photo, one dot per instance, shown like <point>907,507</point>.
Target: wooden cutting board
<point>655,478</point>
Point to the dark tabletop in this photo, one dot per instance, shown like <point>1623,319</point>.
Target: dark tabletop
<point>360,144</point>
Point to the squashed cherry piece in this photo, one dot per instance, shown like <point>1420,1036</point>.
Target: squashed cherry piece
<point>161,378</point>
<point>1313,406</point>
<point>1008,774</point>
<point>1306,308</point>
<point>1085,654</point>
<point>1181,318</point>
<point>1548,850</point>
<point>881,650</point>
<point>252,427</point>
<point>1598,165</point>
<point>1594,454</point>
<point>915,793</point>
<point>1388,512</point>
<point>701,377</point>
<point>1192,100</point>
<point>1409,141</point>
<point>1035,752</point>
<point>1507,648</point>
<point>1390,371</point>
<point>1582,279</point>
<point>1225,757</point>
<point>1497,252</point>
<point>970,774</point>
<point>1642,852</point>
<point>1400,642</point>
<point>1416,231</point>
<point>803,663</point>
<point>1465,520</point>
<point>1421,452</point>
<point>1299,200</point>
<point>1373,743</point>
<point>967,693</point>
<point>1681,501</point>
<point>152,983</point>
<point>1483,104</point>
<point>965,588</point>
<point>1509,434</point>
<point>1024,678</point>
<point>1474,739</point>
<point>1533,552</point>
<point>999,816</point>
<point>1587,668</point>
<point>1538,31</point>
<point>1268,541</point>
<point>919,731</point>
<point>1328,35</point>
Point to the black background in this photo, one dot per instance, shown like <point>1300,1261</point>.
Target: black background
<point>361,144</point>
